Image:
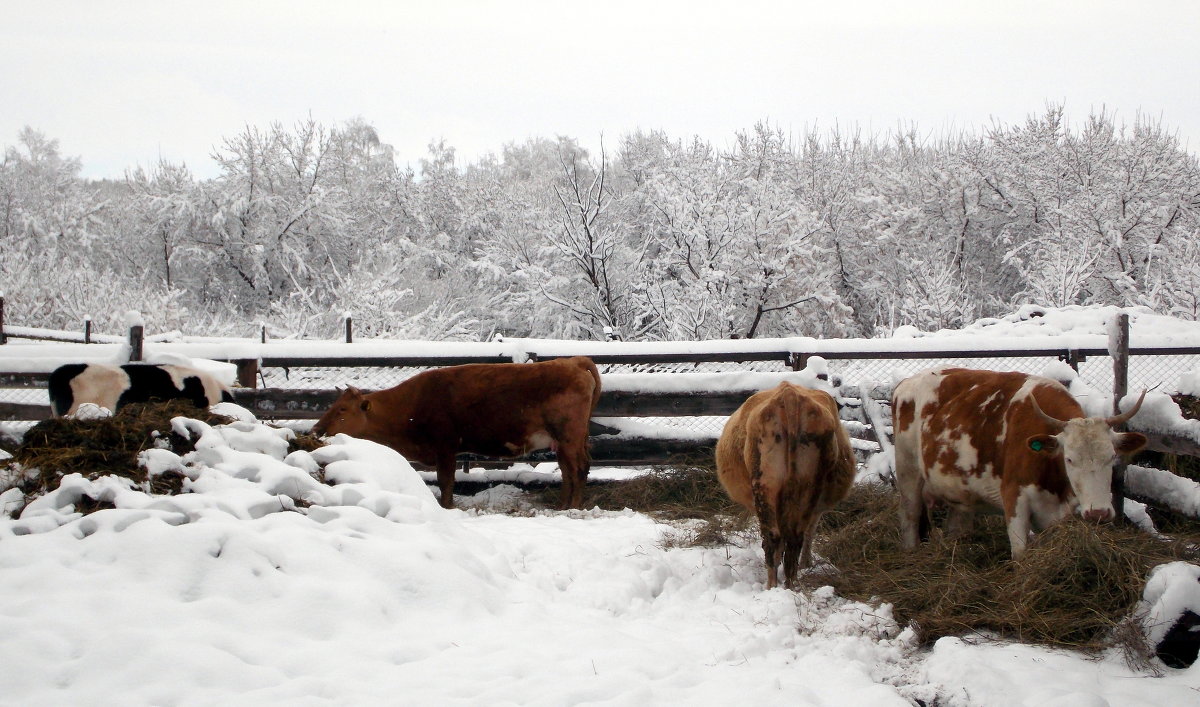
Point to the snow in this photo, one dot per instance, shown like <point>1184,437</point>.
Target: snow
<point>1078,321</point>
<point>242,592</point>
<point>1172,589</point>
<point>1189,383</point>
<point>715,382</point>
<point>1001,675</point>
<point>1177,493</point>
<point>1029,329</point>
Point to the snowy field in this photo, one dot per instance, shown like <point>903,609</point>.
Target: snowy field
<point>263,586</point>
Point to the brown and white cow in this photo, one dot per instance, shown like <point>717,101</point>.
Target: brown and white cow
<point>495,409</point>
<point>785,455</point>
<point>985,440</point>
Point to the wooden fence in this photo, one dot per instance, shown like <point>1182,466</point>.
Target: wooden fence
<point>869,413</point>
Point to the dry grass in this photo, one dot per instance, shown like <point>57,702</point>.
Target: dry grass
<point>305,442</point>
<point>1189,405</point>
<point>669,492</point>
<point>682,492</point>
<point>1075,586</point>
<point>57,447</point>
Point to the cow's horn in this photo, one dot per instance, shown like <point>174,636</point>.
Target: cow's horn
<point>1124,417</point>
<point>1057,424</point>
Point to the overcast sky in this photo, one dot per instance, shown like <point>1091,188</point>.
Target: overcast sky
<point>120,83</point>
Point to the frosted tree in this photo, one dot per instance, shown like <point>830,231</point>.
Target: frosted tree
<point>594,267</point>
<point>1118,193</point>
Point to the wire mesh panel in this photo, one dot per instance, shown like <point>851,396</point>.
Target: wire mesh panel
<point>1160,370</point>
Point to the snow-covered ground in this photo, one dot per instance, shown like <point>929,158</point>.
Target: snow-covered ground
<point>241,592</point>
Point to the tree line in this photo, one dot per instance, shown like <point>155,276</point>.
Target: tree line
<point>652,238</point>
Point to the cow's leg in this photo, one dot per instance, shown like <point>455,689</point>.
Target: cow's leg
<point>569,483</point>
<point>809,533</point>
<point>1017,520</point>
<point>913,517</point>
<point>768,525</point>
<point>910,483</point>
<point>573,462</point>
<point>445,478</point>
<point>791,551</point>
<point>771,547</point>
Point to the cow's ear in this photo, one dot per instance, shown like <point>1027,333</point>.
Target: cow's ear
<point>1130,442</point>
<point>365,405</point>
<point>1043,444</point>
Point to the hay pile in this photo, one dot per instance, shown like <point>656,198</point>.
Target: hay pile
<point>1075,587</point>
<point>54,448</point>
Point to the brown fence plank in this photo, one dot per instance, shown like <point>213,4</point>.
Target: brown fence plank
<point>24,412</point>
<point>1158,442</point>
<point>24,380</point>
<point>311,403</point>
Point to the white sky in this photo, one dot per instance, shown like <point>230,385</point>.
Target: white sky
<point>121,83</point>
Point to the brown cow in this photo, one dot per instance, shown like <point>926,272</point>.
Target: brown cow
<point>495,409</point>
<point>785,455</point>
<point>1017,442</point>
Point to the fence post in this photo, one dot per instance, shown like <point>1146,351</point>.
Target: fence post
<point>137,335</point>
<point>1119,349</point>
<point>87,329</point>
<point>799,361</point>
<point>3,337</point>
<point>263,333</point>
<point>247,372</point>
<point>349,329</point>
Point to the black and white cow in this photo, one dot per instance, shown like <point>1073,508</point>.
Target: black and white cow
<point>113,387</point>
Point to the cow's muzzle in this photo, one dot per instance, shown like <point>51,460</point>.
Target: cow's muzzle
<point>1098,515</point>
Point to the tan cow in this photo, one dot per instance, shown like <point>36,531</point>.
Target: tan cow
<point>980,440</point>
<point>494,409</point>
<point>785,455</point>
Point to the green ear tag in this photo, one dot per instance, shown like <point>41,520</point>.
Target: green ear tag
<point>1036,445</point>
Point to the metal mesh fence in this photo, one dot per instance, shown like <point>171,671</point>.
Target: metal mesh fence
<point>1146,371</point>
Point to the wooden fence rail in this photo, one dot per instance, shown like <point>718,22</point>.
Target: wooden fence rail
<point>307,404</point>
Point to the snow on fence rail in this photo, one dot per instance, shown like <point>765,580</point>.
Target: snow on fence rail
<point>295,379</point>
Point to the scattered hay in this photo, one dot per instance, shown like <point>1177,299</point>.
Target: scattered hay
<point>1075,587</point>
<point>304,442</point>
<point>109,446</point>
<point>715,531</point>
<point>1189,405</point>
<point>674,492</point>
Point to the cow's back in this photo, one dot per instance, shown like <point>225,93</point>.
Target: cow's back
<point>963,432</point>
<point>72,385</point>
<point>487,406</point>
<point>827,469</point>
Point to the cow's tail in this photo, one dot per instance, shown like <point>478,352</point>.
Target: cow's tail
<point>59,387</point>
<point>591,366</point>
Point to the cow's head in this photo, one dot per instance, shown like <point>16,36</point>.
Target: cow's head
<point>1088,448</point>
<point>348,415</point>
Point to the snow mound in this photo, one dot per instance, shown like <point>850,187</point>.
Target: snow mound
<point>243,470</point>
